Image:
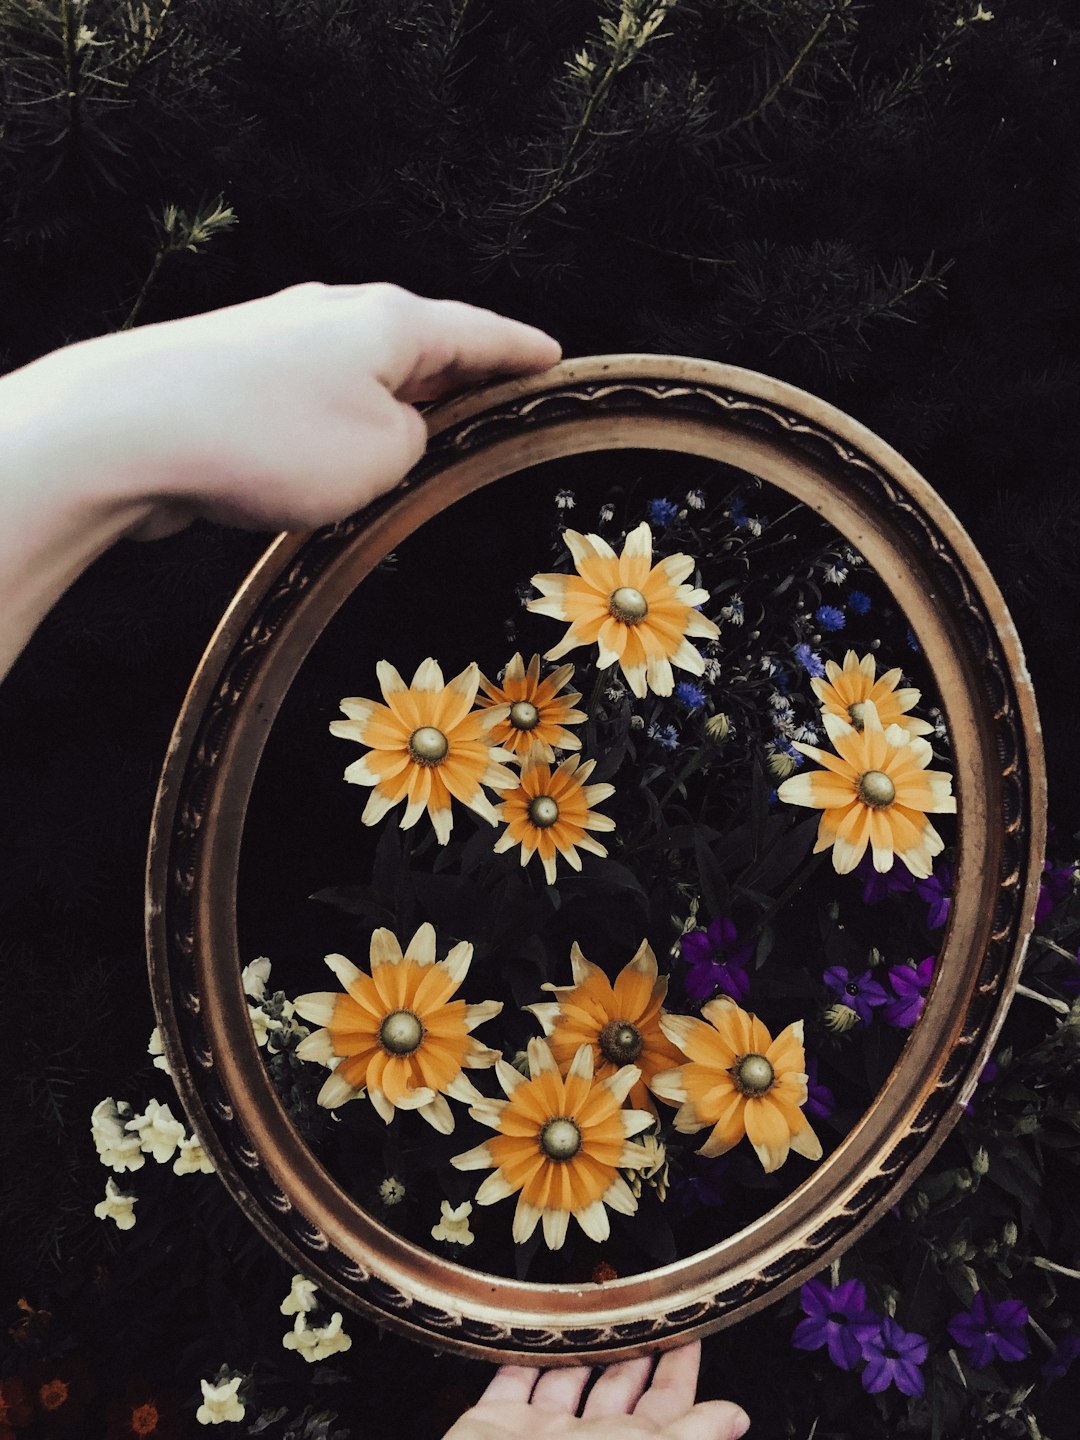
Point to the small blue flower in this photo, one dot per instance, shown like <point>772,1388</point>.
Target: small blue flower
<point>738,513</point>
<point>829,617</point>
<point>666,736</point>
<point>810,662</point>
<point>912,642</point>
<point>692,696</point>
<point>662,512</point>
<point>859,601</point>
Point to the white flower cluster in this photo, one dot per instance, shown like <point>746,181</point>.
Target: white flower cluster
<point>453,1225</point>
<point>313,1342</point>
<point>221,1403</point>
<point>123,1140</point>
<point>272,1015</point>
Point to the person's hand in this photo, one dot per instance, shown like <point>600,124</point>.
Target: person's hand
<point>525,1404</point>
<point>282,413</point>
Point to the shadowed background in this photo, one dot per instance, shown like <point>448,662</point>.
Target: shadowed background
<point>877,203</point>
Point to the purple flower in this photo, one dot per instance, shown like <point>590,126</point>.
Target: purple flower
<point>820,1101</point>
<point>936,890</point>
<point>893,1356</point>
<point>662,512</point>
<point>703,1186</point>
<point>860,993</point>
<point>715,962</point>
<point>859,601</point>
<point>990,1329</point>
<point>987,1075</point>
<point>810,662</point>
<point>877,884</point>
<point>829,617</point>
<point>690,695</point>
<point>834,1318</point>
<point>1066,1351</point>
<point>909,984</point>
<point>1056,884</point>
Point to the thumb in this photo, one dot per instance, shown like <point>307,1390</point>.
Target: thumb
<point>710,1420</point>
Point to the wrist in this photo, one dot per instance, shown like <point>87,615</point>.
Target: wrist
<point>62,503</point>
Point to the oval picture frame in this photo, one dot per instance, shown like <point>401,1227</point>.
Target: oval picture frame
<point>874,498</point>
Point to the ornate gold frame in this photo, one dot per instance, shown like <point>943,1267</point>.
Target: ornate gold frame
<point>878,502</point>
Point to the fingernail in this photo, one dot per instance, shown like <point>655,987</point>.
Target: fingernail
<point>740,1424</point>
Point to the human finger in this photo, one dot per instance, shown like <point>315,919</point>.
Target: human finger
<point>711,1420</point>
<point>442,345</point>
<point>673,1386</point>
<point>618,1389</point>
<point>511,1384</point>
<point>560,1391</point>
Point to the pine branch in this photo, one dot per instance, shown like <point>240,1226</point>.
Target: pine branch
<point>620,45</point>
<point>181,232</point>
<point>780,85</point>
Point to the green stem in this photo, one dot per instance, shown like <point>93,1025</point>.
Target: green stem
<point>785,80</point>
<point>1045,1264</point>
<point>132,315</point>
<point>690,768</point>
<point>1029,994</point>
<point>68,23</point>
<point>793,888</point>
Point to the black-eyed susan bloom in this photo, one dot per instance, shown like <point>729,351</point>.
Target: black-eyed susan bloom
<point>550,814</point>
<point>640,615</point>
<point>875,794</point>
<point>739,1081</point>
<point>426,746</point>
<point>619,1022</point>
<point>845,690</point>
<point>560,1145</point>
<point>399,1033</point>
<point>539,710</point>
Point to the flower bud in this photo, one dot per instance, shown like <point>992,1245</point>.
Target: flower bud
<point>839,1018</point>
<point>1009,1233</point>
<point>980,1162</point>
<point>717,728</point>
<point>779,765</point>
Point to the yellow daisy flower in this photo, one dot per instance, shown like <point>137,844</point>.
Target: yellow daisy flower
<point>551,812</point>
<point>877,792</point>
<point>639,614</point>
<point>397,1032</point>
<point>425,747</point>
<point>740,1081</point>
<point>844,692</point>
<point>560,1146</point>
<point>620,1023</point>
<point>534,726</point>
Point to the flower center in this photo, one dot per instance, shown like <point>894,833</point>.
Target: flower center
<point>524,715</point>
<point>754,1075</point>
<point>855,714</point>
<point>428,746</point>
<point>53,1394</point>
<point>543,811</point>
<point>560,1139</point>
<point>144,1420</point>
<point>628,605</point>
<point>876,789</point>
<point>620,1042</point>
<point>401,1032</point>
<point>852,988</point>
